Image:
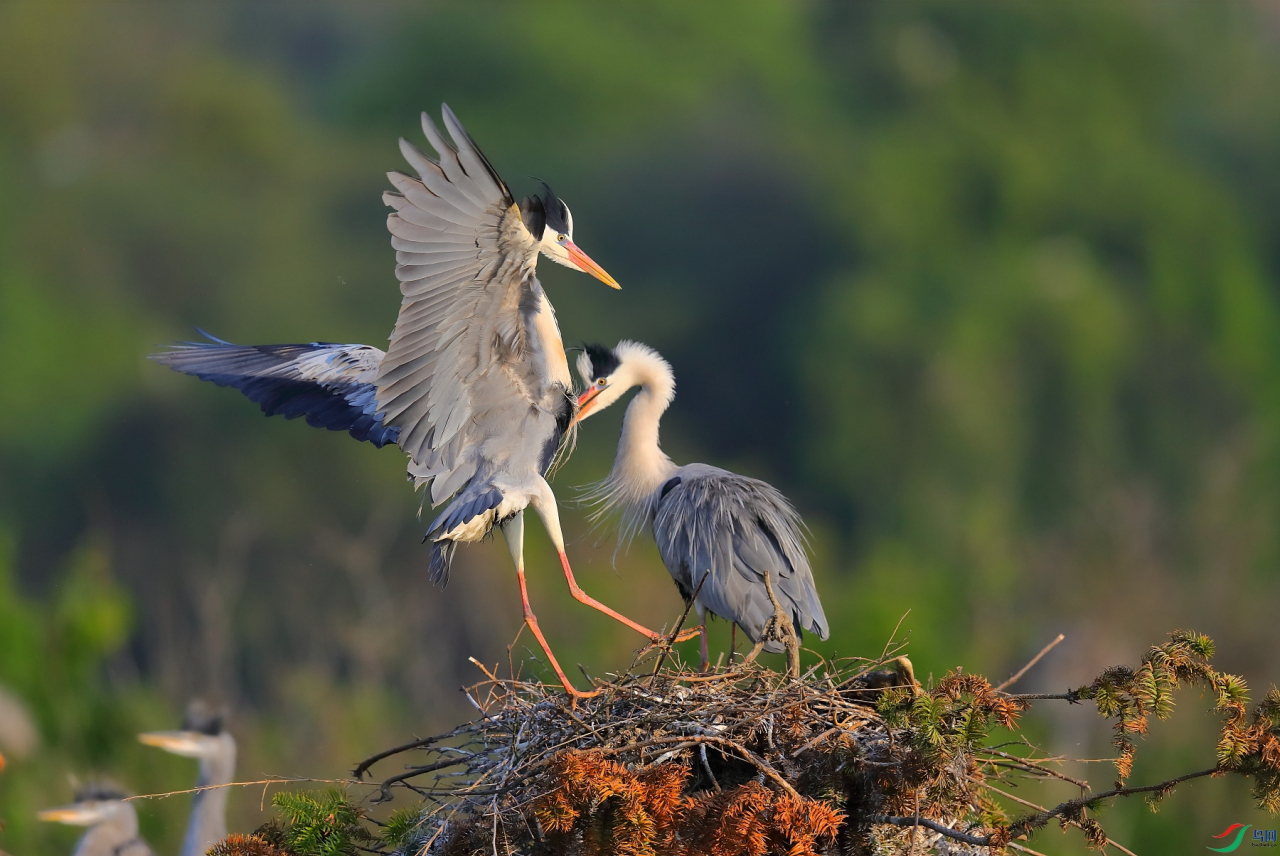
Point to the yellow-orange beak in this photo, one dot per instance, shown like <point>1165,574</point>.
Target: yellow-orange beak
<point>583,261</point>
<point>189,744</point>
<point>586,402</point>
<point>72,815</point>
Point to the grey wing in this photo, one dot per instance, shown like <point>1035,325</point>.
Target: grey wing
<point>735,530</point>
<point>330,384</point>
<point>460,347</point>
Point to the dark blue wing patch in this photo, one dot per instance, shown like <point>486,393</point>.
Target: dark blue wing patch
<point>337,398</point>
<point>463,509</point>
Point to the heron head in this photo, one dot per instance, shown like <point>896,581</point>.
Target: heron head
<point>201,736</point>
<point>549,221</point>
<point>94,804</point>
<point>608,373</point>
<point>188,744</point>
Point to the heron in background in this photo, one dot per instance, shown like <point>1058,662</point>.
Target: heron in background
<point>475,386</point>
<point>202,737</point>
<point>726,539</point>
<point>112,822</point>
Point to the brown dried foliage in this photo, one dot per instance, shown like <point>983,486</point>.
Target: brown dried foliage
<point>854,758</point>
<point>245,845</point>
<point>637,814</point>
<point>1246,744</point>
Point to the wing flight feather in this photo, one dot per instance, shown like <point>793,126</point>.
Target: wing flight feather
<point>463,258</point>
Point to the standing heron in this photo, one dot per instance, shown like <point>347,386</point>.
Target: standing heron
<point>203,737</point>
<point>475,386</point>
<point>112,822</point>
<point>726,539</point>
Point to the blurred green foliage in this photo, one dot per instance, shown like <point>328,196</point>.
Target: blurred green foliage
<point>988,289</point>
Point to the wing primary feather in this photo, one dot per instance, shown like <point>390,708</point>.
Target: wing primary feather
<point>453,170</point>
<point>467,146</point>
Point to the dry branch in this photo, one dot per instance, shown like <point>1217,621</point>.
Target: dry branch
<point>850,757</point>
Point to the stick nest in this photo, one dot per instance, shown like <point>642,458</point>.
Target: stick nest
<point>852,757</point>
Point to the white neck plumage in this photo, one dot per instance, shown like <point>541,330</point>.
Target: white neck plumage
<point>111,835</point>
<point>640,467</point>
<point>208,821</point>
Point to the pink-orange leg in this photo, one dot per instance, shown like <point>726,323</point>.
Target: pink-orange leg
<point>703,651</point>
<point>514,532</point>
<point>543,501</point>
<point>532,620</point>
<point>582,597</point>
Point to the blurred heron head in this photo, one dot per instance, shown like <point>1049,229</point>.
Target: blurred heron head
<point>202,735</point>
<point>94,804</point>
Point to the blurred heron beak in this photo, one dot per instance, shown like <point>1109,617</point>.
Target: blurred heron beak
<point>189,744</point>
<point>72,815</point>
<point>583,261</point>
<point>586,402</point>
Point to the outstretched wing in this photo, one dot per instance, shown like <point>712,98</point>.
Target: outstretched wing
<point>331,385</point>
<point>736,529</point>
<point>461,345</point>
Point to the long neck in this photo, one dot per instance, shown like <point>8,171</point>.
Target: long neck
<point>641,466</point>
<point>208,823</point>
<point>104,839</point>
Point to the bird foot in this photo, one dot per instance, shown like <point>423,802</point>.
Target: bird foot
<point>780,628</point>
<point>576,695</point>
<point>686,635</point>
<point>659,642</point>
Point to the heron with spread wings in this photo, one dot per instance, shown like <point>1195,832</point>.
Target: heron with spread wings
<point>475,387</point>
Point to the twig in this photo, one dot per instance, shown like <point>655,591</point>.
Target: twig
<point>1121,847</point>
<point>1013,679</point>
<point>706,766</point>
<point>277,781</point>
<point>1035,821</point>
<point>384,789</point>
<point>1072,696</point>
<point>1074,823</point>
<point>1021,849</point>
<point>942,829</point>
<point>889,643</point>
<point>364,765</point>
<point>666,649</point>
<point>1084,786</point>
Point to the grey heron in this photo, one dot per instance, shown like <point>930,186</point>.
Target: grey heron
<point>202,737</point>
<point>475,386</point>
<point>721,535</point>
<point>112,822</point>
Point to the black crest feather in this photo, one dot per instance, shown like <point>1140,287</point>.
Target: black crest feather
<point>604,361</point>
<point>557,212</point>
<point>99,792</point>
<point>202,719</point>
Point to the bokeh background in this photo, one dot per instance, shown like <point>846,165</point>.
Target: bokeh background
<point>989,289</point>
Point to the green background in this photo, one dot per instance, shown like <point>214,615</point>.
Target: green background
<point>989,289</point>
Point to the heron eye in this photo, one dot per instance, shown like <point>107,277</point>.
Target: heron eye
<point>561,238</point>
<point>601,382</point>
